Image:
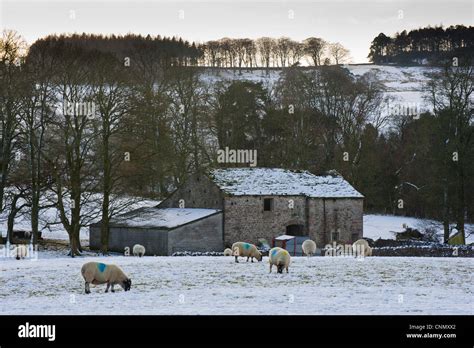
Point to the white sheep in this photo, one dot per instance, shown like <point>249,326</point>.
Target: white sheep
<point>309,247</point>
<point>20,251</point>
<point>246,250</point>
<point>280,258</point>
<point>138,250</point>
<point>361,247</point>
<point>228,252</point>
<point>99,273</point>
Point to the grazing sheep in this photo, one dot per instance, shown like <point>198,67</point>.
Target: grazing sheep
<point>138,250</point>
<point>361,247</point>
<point>20,252</point>
<point>227,252</point>
<point>100,273</point>
<point>280,258</point>
<point>309,247</point>
<point>246,250</point>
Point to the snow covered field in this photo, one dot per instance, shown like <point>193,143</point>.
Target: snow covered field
<point>216,285</point>
<point>382,226</point>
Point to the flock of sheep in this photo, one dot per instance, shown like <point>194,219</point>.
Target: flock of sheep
<point>99,273</point>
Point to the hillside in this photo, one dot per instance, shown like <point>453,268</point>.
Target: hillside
<point>403,85</point>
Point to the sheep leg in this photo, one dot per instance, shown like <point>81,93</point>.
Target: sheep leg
<point>107,288</point>
<point>286,269</point>
<point>113,288</point>
<point>247,259</point>
<point>252,259</point>
<point>236,260</point>
<point>88,291</point>
<point>270,268</point>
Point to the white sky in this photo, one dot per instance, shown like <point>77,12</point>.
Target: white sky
<point>354,23</point>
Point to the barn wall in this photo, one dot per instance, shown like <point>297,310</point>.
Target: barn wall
<point>155,241</point>
<point>343,215</point>
<point>245,219</point>
<point>197,192</point>
<point>202,235</point>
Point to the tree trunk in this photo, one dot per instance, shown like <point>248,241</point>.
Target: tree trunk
<point>104,226</point>
<point>445,214</point>
<point>35,217</point>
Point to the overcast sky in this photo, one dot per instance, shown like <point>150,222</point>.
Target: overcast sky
<point>353,23</point>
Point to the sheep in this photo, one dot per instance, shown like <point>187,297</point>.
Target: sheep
<point>20,252</point>
<point>100,273</point>
<point>361,247</point>
<point>280,258</point>
<point>309,247</point>
<point>138,250</point>
<point>228,252</point>
<point>246,249</point>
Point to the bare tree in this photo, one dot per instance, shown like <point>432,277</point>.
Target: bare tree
<point>12,50</point>
<point>314,47</point>
<point>296,52</point>
<point>35,116</point>
<point>450,92</point>
<point>282,49</point>
<point>339,53</point>
<point>265,47</point>
<point>70,144</point>
<point>111,98</point>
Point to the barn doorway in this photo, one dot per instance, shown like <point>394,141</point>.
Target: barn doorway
<point>296,230</point>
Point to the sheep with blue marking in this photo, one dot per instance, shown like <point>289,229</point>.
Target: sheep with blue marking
<point>280,258</point>
<point>246,250</point>
<point>228,252</point>
<point>138,250</point>
<point>309,247</point>
<point>99,273</point>
<point>361,248</point>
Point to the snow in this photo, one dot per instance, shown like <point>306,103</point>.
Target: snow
<point>277,181</point>
<point>50,223</point>
<point>284,237</point>
<point>161,217</point>
<point>383,226</point>
<point>217,285</point>
<point>404,86</point>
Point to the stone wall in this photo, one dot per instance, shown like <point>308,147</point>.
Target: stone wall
<point>246,220</point>
<point>341,215</point>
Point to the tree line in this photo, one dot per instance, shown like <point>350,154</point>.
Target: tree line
<point>87,135</point>
<point>433,45</point>
<point>241,53</point>
<point>266,52</point>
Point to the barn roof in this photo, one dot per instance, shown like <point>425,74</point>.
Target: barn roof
<point>154,217</point>
<point>278,181</point>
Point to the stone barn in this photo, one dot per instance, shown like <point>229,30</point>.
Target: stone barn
<point>268,202</point>
<point>211,211</point>
<point>164,231</point>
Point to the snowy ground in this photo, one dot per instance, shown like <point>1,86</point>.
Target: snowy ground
<point>382,226</point>
<point>216,285</point>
